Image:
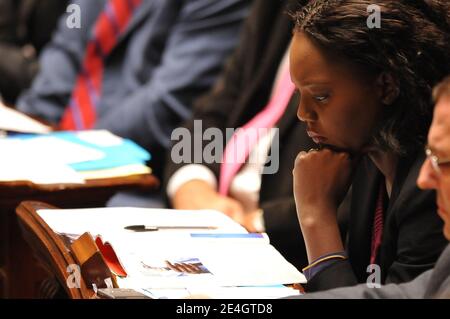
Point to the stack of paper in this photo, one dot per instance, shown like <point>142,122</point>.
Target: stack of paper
<point>192,252</point>
<point>17,163</point>
<point>69,157</point>
<point>255,292</point>
<point>13,121</point>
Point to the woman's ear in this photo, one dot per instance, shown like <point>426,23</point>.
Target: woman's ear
<point>388,88</point>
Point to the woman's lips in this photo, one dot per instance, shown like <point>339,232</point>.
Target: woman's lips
<point>318,139</point>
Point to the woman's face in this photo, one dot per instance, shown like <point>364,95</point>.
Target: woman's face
<point>339,108</point>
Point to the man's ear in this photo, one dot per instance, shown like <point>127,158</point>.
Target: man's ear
<point>388,88</point>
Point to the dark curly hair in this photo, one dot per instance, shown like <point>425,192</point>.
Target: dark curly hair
<point>412,45</point>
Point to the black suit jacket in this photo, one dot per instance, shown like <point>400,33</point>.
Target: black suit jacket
<point>24,22</point>
<point>242,92</point>
<point>412,237</point>
<point>434,283</point>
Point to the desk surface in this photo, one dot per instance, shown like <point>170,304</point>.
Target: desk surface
<point>20,274</point>
<point>54,252</point>
<point>26,188</point>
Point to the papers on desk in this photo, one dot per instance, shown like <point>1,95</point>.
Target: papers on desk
<point>121,171</point>
<point>67,157</point>
<point>255,292</point>
<point>51,147</point>
<point>111,222</point>
<point>11,120</point>
<point>224,257</point>
<point>220,264</point>
<point>19,164</point>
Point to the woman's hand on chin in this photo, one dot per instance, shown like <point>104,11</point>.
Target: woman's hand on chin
<point>321,181</point>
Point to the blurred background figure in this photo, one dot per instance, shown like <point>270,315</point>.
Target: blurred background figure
<point>134,68</point>
<point>25,27</point>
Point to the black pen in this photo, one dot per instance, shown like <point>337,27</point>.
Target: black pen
<point>143,228</point>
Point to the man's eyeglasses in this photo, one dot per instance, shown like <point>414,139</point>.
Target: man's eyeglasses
<point>436,162</point>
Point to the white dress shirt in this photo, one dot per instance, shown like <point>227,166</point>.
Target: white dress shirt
<point>246,185</point>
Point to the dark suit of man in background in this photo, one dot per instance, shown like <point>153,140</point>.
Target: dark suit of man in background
<point>170,52</point>
<point>26,26</point>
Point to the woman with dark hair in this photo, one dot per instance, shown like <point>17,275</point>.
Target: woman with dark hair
<point>366,100</point>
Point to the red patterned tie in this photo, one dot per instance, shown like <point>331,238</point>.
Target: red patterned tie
<point>112,21</point>
<point>243,141</point>
<point>377,230</point>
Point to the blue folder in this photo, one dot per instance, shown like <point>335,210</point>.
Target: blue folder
<point>126,153</point>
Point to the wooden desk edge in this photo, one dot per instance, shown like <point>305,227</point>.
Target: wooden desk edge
<point>144,182</point>
<point>54,245</point>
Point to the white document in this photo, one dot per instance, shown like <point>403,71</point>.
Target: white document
<point>111,223</point>
<point>248,264</point>
<point>121,171</point>
<point>59,150</point>
<point>43,160</point>
<point>46,159</point>
<point>17,163</point>
<point>101,138</point>
<point>220,264</point>
<point>12,120</point>
<point>255,292</point>
<point>226,260</point>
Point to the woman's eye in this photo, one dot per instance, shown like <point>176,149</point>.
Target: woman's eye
<point>321,98</point>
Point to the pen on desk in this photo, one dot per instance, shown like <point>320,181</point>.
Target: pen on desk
<point>143,228</point>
